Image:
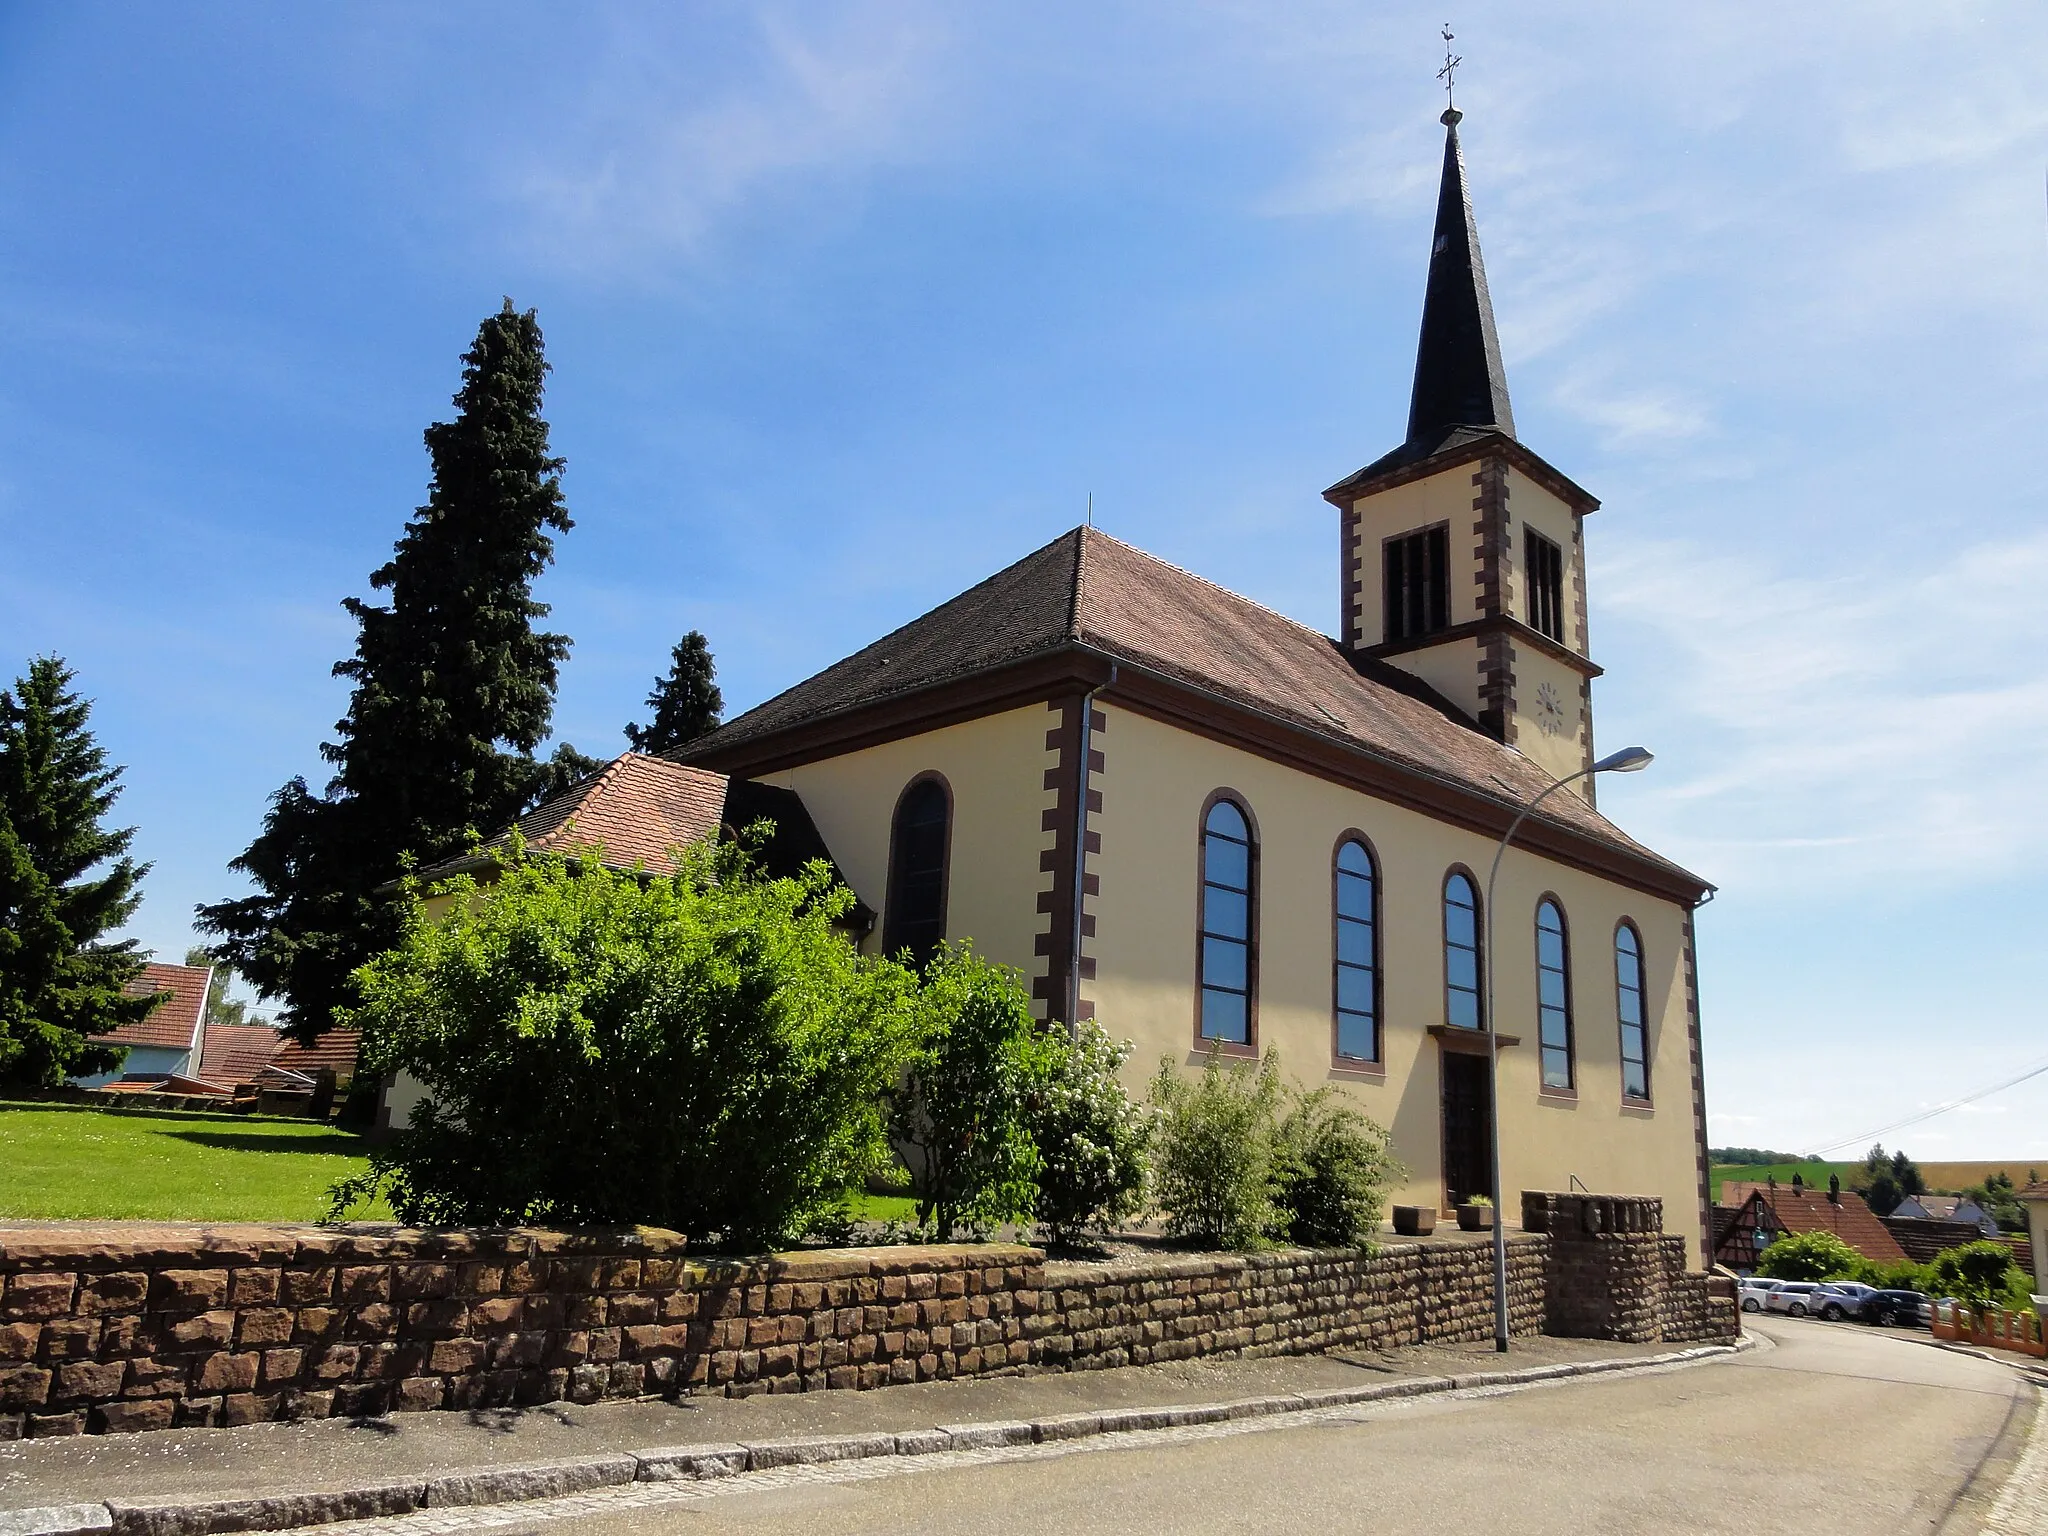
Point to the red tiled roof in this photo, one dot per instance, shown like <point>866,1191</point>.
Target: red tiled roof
<point>235,1053</point>
<point>335,1051</point>
<point>1088,591</point>
<point>642,809</point>
<point>1810,1210</point>
<point>175,1021</point>
<point>638,808</point>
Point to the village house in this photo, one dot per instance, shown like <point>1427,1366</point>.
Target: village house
<point>1215,829</point>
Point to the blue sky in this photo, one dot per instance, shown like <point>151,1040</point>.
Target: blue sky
<point>850,305</point>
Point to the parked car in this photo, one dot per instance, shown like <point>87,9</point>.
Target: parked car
<point>1899,1309</point>
<point>1838,1299</point>
<point>1754,1290</point>
<point>1792,1297</point>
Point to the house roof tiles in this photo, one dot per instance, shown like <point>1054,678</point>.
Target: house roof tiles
<point>235,1053</point>
<point>173,1023</point>
<point>1810,1210</point>
<point>334,1051</point>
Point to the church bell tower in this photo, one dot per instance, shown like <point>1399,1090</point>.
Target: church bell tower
<point>1463,552</point>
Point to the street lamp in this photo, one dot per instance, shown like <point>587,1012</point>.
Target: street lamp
<point>1627,760</point>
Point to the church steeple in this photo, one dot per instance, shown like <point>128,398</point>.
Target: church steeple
<point>1459,381</point>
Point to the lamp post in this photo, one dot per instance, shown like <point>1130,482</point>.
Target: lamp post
<point>1627,760</point>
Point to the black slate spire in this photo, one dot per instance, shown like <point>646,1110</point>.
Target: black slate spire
<point>1459,381</point>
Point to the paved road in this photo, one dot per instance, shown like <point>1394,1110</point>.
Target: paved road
<point>1824,1427</point>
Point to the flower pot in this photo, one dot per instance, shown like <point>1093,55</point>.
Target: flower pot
<point>1414,1220</point>
<point>1475,1218</point>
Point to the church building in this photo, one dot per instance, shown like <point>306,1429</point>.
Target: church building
<point>1210,827</point>
<point>1214,829</point>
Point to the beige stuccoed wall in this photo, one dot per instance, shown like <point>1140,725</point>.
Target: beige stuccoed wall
<point>2037,1231</point>
<point>1441,498</point>
<point>996,768</point>
<point>1529,503</point>
<point>1564,752</point>
<point>1155,780</point>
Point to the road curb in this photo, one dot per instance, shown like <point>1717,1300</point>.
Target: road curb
<point>529,1482</point>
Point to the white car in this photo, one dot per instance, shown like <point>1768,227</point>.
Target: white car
<point>1755,1291</point>
<point>1792,1297</point>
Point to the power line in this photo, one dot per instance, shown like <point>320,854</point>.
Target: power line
<point>1929,1114</point>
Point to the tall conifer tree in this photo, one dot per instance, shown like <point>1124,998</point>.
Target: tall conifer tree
<point>60,979</point>
<point>454,688</point>
<point>686,703</point>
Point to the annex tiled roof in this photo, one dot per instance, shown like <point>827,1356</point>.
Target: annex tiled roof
<point>1088,590</point>
<point>642,809</point>
<point>173,1023</point>
<point>638,808</point>
<point>235,1053</point>
<point>1810,1210</point>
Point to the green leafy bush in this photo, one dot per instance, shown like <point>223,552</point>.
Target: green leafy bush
<point>1902,1276</point>
<point>960,1114</point>
<point>1092,1137</point>
<point>1809,1256</point>
<point>703,1051</point>
<point>1213,1160</point>
<point>1983,1274</point>
<point>1331,1168</point>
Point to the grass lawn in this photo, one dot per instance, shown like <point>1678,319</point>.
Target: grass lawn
<point>59,1161</point>
<point>108,1165</point>
<point>883,1207</point>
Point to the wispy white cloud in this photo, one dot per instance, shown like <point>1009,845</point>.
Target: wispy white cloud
<point>674,131</point>
<point>1867,720</point>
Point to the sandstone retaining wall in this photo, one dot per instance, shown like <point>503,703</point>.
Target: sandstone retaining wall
<point>112,1328</point>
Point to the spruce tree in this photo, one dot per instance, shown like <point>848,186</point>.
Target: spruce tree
<point>686,703</point>
<point>61,980</point>
<point>453,691</point>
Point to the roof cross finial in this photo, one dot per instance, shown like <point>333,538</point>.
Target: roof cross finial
<point>1447,74</point>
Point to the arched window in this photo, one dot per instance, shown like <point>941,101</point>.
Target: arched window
<point>1553,995</point>
<point>1357,984</point>
<point>917,870</point>
<point>1461,953</point>
<point>1628,1004</point>
<point>1228,966</point>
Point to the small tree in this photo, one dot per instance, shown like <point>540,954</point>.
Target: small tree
<point>1332,1166</point>
<point>1809,1256</point>
<point>961,1112</point>
<point>1091,1137</point>
<point>1983,1274</point>
<point>686,703</point>
<point>1213,1160</point>
<point>700,1051</point>
<point>61,978</point>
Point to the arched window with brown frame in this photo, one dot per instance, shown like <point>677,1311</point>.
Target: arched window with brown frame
<point>1227,962</point>
<point>1631,1013</point>
<point>1553,993</point>
<point>1355,981</point>
<point>919,844</point>
<point>1462,1006</point>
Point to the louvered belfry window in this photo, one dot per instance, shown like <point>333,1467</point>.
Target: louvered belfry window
<point>1418,583</point>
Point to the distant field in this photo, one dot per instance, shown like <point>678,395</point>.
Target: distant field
<point>1812,1173</point>
<point>1963,1175</point>
<point>91,1164</point>
<point>1939,1176</point>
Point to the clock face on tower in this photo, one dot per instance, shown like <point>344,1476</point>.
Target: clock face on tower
<point>1549,710</point>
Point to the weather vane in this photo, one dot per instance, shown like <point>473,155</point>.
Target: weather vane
<point>1451,63</point>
